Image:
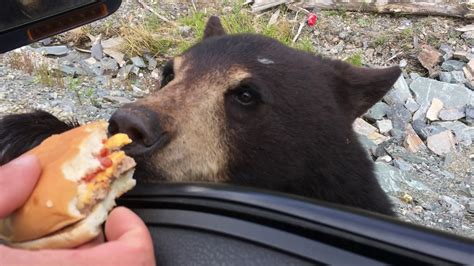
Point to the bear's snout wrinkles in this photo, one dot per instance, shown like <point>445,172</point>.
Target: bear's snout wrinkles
<point>142,125</point>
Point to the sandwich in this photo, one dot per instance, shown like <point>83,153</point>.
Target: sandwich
<point>83,172</point>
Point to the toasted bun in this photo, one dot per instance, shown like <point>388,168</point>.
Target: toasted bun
<point>87,229</point>
<point>50,218</point>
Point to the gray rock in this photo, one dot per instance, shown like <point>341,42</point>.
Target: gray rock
<point>469,112</point>
<point>385,158</point>
<point>441,143</point>
<point>97,51</point>
<point>124,72</point>
<point>71,70</point>
<point>388,177</point>
<point>414,75</point>
<point>384,125</point>
<point>446,77</point>
<point>402,165</point>
<point>453,205</point>
<point>458,77</point>
<point>420,114</point>
<point>463,55</point>
<point>117,99</point>
<point>152,63</point>
<point>451,114</point>
<point>464,134</point>
<point>411,105</point>
<point>378,111</point>
<point>452,65</point>
<point>367,144</point>
<point>400,92</point>
<point>46,41</point>
<point>468,36</point>
<point>403,63</point>
<point>447,51</point>
<point>400,117</point>
<point>399,152</point>
<point>109,65</point>
<point>53,50</point>
<point>138,62</point>
<point>452,95</point>
<point>470,207</point>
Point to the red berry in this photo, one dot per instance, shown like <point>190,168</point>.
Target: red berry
<point>105,162</point>
<point>312,18</point>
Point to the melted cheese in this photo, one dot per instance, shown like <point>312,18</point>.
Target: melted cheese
<point>117,141</point>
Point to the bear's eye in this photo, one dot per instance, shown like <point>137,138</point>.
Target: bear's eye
<point>168,74</point>
<point>246,95</point>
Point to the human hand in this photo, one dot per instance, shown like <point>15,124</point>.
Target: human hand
<point>129,242</point>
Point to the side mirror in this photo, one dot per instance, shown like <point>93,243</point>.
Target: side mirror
<point>26,21</point>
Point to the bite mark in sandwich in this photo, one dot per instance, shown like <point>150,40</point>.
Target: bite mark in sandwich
<point>83,172</point>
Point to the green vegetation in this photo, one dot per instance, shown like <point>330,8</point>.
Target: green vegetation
<point>165,40</point>
<point>355,59</point>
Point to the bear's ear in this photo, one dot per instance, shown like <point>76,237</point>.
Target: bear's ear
<point>213,28</point>
<point>359,88</point>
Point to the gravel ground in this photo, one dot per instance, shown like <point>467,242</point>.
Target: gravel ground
<point>426,188</point>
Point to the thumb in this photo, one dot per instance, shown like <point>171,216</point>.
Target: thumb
<point>17,180</point>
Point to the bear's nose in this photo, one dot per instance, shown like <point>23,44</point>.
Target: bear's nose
<point>141,124</point>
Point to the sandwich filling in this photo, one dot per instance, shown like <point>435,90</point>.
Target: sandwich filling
<point>95,185</point>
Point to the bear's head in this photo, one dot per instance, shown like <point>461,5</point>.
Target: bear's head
<point>248,110</point>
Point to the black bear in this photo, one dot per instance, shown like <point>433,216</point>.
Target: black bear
<point>245,109</point>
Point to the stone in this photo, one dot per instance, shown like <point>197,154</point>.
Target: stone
<point>152,63</point>
<point>452,65</point>
<point>468,36</point>
<point>362,127</point>
<point>46,42</point>
<point>367,144</point>
<point>470,66</point>
<point>414,75</point>
<point>470,207</point>
<point>411,105</point>
<point>388,177</point>
<point>447,51</point>
<point>384,125</point>
<point>451,114</point>
<point>384,158</point>
<point>412,142</point>
<point>403,63</point>
<point>113,43</point>
<point>458,77</point>
<point>117,55</point>
<point>97,51</point>
<point>402,165</point>
<point>452,95</point>
<point>441,143</point>
<point>429,57</point>
<point>117,99</point>
<point>124,72</point>
<point>446,77</point>
<point>469,112</point>
<point>463,55</point>
<point>109,65</point>
<point>400,92</point>
<point>469,27</point>
<point>377,112</point>
<point>58,50</point>
<point>71,70</point>
<point>435,108</point>
<point>400,117</point>
<point>469,78</point>
<point>464,134</point>
<point>455,207</point>
<point>138,62</point>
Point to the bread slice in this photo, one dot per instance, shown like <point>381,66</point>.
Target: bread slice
<point>87,229</point>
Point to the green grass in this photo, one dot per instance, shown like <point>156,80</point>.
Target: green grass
<point>164,40</point>
<point>355,59</point>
